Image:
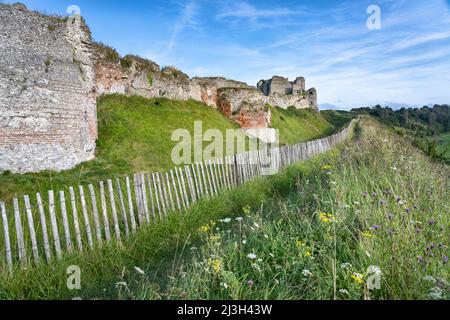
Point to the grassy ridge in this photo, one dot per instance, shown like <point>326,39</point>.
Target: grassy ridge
<point>135,135</point>
<point>378,207</point>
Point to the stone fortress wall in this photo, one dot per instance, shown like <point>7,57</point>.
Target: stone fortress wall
<point>51,74</point>
<point>47,99</point>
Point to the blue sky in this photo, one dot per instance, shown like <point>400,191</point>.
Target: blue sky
<point>328,42</point>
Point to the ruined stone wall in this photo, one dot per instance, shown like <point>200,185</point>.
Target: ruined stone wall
<point>47,102</point>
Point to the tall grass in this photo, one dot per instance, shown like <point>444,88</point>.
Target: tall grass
<point>378,208</point>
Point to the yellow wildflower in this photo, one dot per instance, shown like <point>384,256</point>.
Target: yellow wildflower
<point>204,228</point>
<point>367,234</point>
<point>214,238</point>
<point>308,253</point>
<point>299,244</point>
<point>359,279</point>
<point>216,265</point>
<point>326,217</point>
<point>326,168</point>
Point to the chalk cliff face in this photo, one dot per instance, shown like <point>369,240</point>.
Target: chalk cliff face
<point>47,100</point>
<point>51,74</point>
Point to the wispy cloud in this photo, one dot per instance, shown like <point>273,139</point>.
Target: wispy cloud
<point>246,10</point>
<point>186,20</point>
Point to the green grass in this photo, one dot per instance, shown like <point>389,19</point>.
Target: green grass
<point>135,135</point>
<point>311,230</point>
<point>297,126</point>
<point>338,119</point>
<point>378,202</point>
<point>443,145</point>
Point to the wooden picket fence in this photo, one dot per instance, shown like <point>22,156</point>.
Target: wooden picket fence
<point>80,219</point>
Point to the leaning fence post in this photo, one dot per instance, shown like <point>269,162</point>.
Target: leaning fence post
<point>98,231</point>
<point>113,209</point>
<point>51,206</point>
<point>19,233</point>
<point>75,219</point>
<point>130,205</point>
<point>34,246</point>
<point>62,200</point>
<point>47,251</point>
<point>122,208</point>
<point>86,217</point>
<point>7,239</point>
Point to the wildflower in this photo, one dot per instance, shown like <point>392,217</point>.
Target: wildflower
<point>367,234</point>
<point>382,202</point>
<point>346,265</point>
<point>358,278</point>
<point>343,291</point>
<point>216,265</point>
<point>308,254</point>
<point>246,210</point>
<point>435,293</point>
<point>326,168</point>
<point>445,259</point>
<point>239,219</point>
<point>266,236</point>
<point>121,284</point>
<point>244,241</point>
<point>408,210</point>
<point>183,294</point>
<point>390,216</point>
<point>365,194</point>
<point>326,217</point>
<point>204,228</point>
<point>252,256</point>
<point>374,194</point>
<point>224,284</point>
<point>299,244</point>
<point>139,270</point>
<point>214,238</point>
<point>256,267</point>
<point>250,283</point>
<point>226,220</point>
<point>375,227</point>
<point>307,273</point>
<point>432,222</point>
<point>420,259</point>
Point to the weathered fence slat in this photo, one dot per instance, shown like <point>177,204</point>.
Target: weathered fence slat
<point>76,223</point>
<point>144,197</point>
<point>190,184</point>
<point>19,233</point>
<point>130,205</point>
<point>175,190</point>
<point>105,212</point>
<point>163,186</point>
<point>62,201</point>
<point>186,198</point>
<point>55,231</point>
<point>138,198</point>
<point>152,201</point>
<point>34,245</point>
<point>87,223</point>
<point>158,205</point>
<point>161,195</point>
<point>113,209</point>
<point>43,221</point>
<point>98,231</point>
<point>8,252</point>
<point>122,208</point>
<point>172,204</point>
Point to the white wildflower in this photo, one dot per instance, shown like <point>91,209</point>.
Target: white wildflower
<point>239,219</point>
<point>139,270</point>
<point>252,256</point>
<point>226,220</point>
<point>343,291</point>
<point>346,265</point>
<point>244,241</point>
<point>224,284</point>
<point>121,284</point>
<point>307,273</point>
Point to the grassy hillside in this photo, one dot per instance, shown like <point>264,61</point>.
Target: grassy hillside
<point>337,118</point>
<point>299,125</point>
<point>310,232</point>
<point>135,135</point>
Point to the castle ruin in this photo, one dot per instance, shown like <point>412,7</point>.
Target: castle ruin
<point>51,74</point>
